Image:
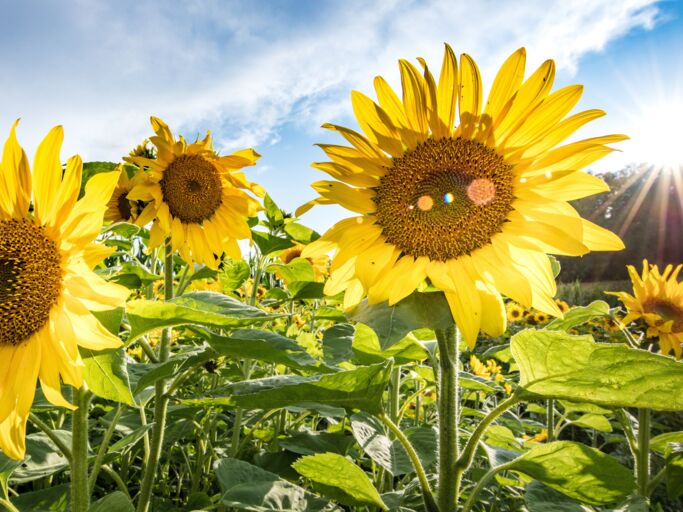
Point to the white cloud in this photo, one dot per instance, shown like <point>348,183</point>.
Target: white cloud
<point>244,69</point>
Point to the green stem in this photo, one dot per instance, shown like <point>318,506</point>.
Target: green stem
<point>465,460</point>
<point>427,495</point>
<point>550,419</point>
<point>160,396</point>
<point>48,431</point>
<point>483,482</point>
<point>643,460</point>
<point>448,405</point>
<point>99,459</point>
<point>394,401</point>
<point>80,492</point>
<point>8,505</point>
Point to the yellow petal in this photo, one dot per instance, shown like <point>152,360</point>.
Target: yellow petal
<point>470,96</point>
<point>561,131</point>
<point>355,199</point>
<point>363,145</point>
<point>354,294</point>
<point>346,174</point>
<point>91,333</point>
<point>393,107</point>
<point>505,85</point>
<point>47,174</point>
<point>447,92</point>
<point>600,239</point>
<point>414,99</point>
<point>493,315</point>
<point>569,186</point>
<point>15,178</point>
<point>376,124</point>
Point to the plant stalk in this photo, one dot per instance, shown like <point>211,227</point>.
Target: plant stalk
<point>643,460</point>
<point>448,405</point>
<point>160,396</point>
<point>80,491</point>
<point>550,419</point>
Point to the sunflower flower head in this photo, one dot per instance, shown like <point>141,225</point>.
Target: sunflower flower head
<point>197,198</point>
<point>119,207</point>
<point>47,286</point>
<point>469,194</point>
<point>320,263</point>
<point>515,312</point>
<point>658,300</point>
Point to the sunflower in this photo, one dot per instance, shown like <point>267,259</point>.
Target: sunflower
<point>197,198</point>
<point>47,287</point>
<point>474,205</point>
<point>119,207</point>
<point>541,317</point>
<point>657,299</point>
<point>514,311</point>
<point>320,264</point>
<point>564,307</point>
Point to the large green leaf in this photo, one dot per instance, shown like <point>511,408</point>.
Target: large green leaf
<point>133,275</point>
<point>334,470</point>
<point>43,458</point>
<point>205,308</point>
<point>361,388</point>
<point>577,471</point>
<point>114,502</point>
<point>338,343</point>
<point>674,471</point>
<point>248,487</point>
<point>106,374</point>
<point>541,498</point>
<point>392,323</point>
<point>180,362</point>
<point>579,315</point>
<point>233,274</point>
<point>367,348</point>
<point>300,233</point>
<point>662,443</point>
<point>554,364</point>
<point>308,443</point>
<point>264,346</point>
<point>269,244</point>
<point>52,499</point>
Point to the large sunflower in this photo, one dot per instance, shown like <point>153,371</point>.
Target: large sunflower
<point>47,287</point>
<point>657,299</point>
<point>474,205</point>
<point>197,197</point>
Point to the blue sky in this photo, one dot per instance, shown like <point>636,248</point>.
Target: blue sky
<point>268,74</point>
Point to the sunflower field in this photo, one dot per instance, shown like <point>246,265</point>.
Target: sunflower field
<point>172,340</point>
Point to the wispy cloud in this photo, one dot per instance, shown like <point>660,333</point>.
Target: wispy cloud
<point>244,68</point>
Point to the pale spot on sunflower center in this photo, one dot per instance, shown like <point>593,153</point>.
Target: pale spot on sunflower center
<point>425,203</point>
<point>481,191</point>
<point>30,279</point>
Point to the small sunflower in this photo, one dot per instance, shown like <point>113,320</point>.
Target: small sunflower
<point>473,205</point>
<point>514,311</point>
<point>540,317</point>
<point>657,299</point>
<point>564,307</point>
<point>197,198</point>
<point>320,264</point>
<point>119,207</point>
<point>47,287</point>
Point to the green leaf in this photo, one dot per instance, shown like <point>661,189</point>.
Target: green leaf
<point>110,319</point>
<point>180,362</point>
<point>594,421</point>
<point>114,502</point>
<point>300,233</point>
<point>306,290</point>
<point>660,443</point>
<point>299,269</point>
<point>90,169</point>
<point>554,265</point>
<point>540,498</point>
<point>367,348</point>
<point>674,471</point>
<point>579,315</point>
<point>577,471</point>
<point>571,407</point>
<point>233,274</point>
<point>554,364</point>
<point>133,275</point>
<point>393,323</point>
<point>273,212</point>
<point>308,443</point>
<point>361,388</point>
<point>205,308</point>
<point>43,458</point>
<point>106,374</point>
<point>263,346</point>
<point>248,487</point>
<point>128,441</point>
<point>269,244</point>
<point>7,467</point>
<point>52,499</point>
<point>338,343</point>
<point>336,471</point>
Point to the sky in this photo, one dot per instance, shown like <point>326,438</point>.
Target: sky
<point>268,74</point>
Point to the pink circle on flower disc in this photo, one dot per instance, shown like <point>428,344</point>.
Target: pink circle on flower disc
<point>481,191</point>
<point>425,203</point>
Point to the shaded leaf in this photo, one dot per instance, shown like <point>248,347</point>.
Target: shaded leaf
<point>43,458</point>
<point>114,502</point>
<point>107,375</point>
<point>52,499</point>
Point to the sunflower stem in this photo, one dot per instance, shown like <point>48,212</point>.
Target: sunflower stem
<point>448,403</point>
<point>550,419</point>
<point>80,491</point>
<point>160,395</point>
<point>643,455</point>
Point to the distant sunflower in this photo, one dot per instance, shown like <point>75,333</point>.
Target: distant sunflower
<point>320,264</point>
<point>197,198</point>
<point>515,312</point>
<point>475,206</point>
<point>47,287</point>
<point>564,307</point>
<point>119,207</point>
<point>657,299</point>
<point>541,317</point>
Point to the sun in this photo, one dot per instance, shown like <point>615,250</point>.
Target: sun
<point>656,135</point>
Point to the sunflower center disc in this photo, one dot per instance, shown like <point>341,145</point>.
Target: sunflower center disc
<point>123,204</point>
<point>191,187</point>
<point>445,198</point>
<point>668,311</point>
<point>30,280</point>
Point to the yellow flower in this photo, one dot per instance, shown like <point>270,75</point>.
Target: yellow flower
<point>657,299</point>
<point>473,204</point>
<point>47,286</point>
<point>538,438</point>
<point>197,198</point>
<point>119,207</point>
<point>478,368</point>
<point>515,312</point>
<point>320,264</point>
<point>508,388</point>
<point>564,307</point>
<point>143,149</point>
<point>540,317</point>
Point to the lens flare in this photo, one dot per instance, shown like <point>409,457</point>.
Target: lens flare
<point>481,191</point>
<point>425,203</point>
<point>448,198</point>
